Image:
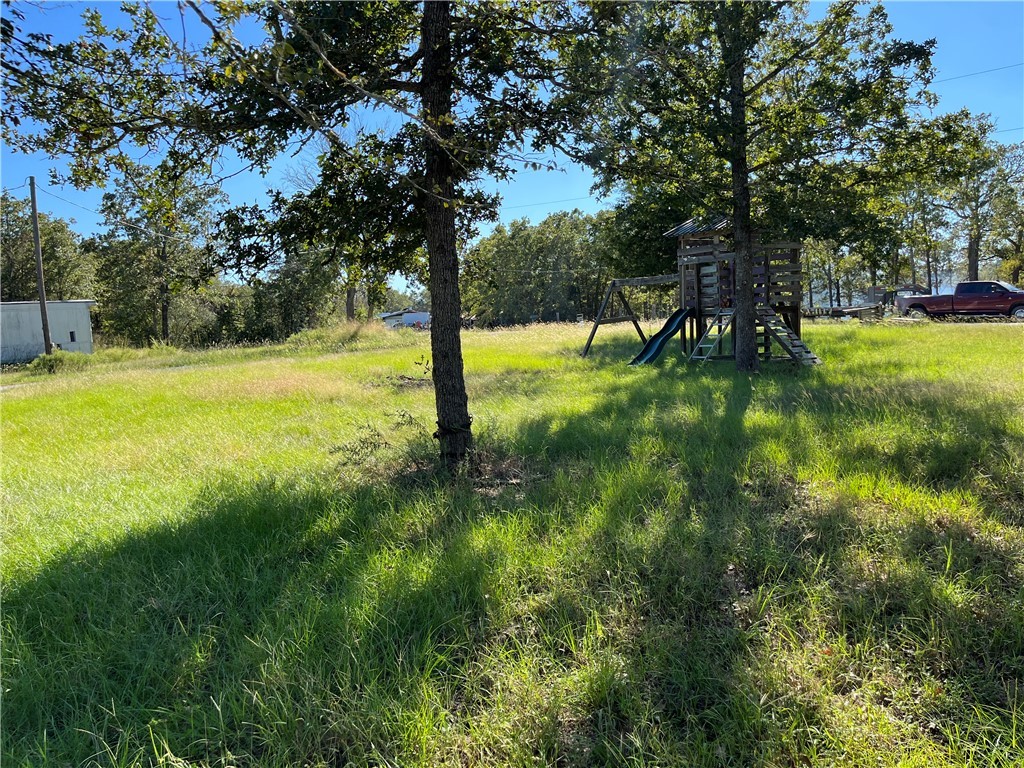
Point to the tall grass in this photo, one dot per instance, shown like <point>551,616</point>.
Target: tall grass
<point>255,561</point>
<point>346,337</point>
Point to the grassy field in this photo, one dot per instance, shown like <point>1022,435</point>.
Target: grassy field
<point>247,557</point>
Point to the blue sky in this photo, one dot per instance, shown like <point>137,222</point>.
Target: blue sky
<point>973,37</point>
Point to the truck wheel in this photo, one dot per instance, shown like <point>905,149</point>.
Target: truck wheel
<point>917,313</point>
<point>1017,313</point>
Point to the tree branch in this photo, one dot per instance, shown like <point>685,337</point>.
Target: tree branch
<point>312,120</point>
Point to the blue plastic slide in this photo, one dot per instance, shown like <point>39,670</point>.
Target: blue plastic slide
<point>657,342</point>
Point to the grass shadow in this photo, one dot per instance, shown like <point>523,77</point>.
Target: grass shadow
<point>194,639</point>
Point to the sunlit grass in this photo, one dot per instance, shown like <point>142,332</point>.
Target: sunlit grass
<point>248,557</point>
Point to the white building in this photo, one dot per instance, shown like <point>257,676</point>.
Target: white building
<point>407,318</point>
<point>21,328</point>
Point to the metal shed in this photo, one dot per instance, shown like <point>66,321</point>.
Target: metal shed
<point>21,329</point>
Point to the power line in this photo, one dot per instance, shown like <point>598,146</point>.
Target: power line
<point>981,72</point>
<point>1005,130</point>
<point>549,202</point>
<point>122,222</point>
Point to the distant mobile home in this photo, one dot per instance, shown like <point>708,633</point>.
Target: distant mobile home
<point>21,328</point>
<point>406,318</point>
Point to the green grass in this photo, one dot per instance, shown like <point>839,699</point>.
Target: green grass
<point>247,557</point>
<point>350,337</point>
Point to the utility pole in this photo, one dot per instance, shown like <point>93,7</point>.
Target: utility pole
<point>47,344</point>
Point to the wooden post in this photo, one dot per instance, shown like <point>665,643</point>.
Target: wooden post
<point>683,336</point>
<point>797,315</point>
<point>632,316</point>
<point>597,320</point>
<point>47,343</point>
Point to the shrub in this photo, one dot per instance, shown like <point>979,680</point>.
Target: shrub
<point>60,362</point>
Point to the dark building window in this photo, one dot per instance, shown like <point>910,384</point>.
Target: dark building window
<point>72,337</point>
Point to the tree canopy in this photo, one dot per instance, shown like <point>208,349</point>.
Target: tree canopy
<point>544,273</point>
<point>464,81</point>
<point>69,270</point>
<point>753,109</point>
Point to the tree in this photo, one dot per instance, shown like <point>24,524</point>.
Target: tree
<point>127,295</point>
<point>349,212</point>
<point>157,223</point>
<point>836,269</point>
<point>464,79</point>
<point>296,295</point>
<point>69,270</point>
<point>395,300</point>
<point>636,228</point>
<point>550,271</point>
<point>971,187</point>
<point>348,226</point>
<point>750,106</point>
<point>1007,235</point>
<point>925,231</point>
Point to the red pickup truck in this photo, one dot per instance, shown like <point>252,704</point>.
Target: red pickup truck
<point>982,297</point>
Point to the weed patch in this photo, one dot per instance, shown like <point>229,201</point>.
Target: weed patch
<point>58,361</point>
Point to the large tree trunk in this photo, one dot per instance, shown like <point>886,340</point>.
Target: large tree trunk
<point>973,253</point>
<point>453,420</point>
<point>350,303</point>
<point>728,22</point>
<point>371,306</point>
<point>1018,257</point>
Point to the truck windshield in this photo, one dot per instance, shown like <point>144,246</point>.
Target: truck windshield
<point>1009,286</point>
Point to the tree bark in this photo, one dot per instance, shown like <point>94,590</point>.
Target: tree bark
<point>728,23</point>
<point>1018,257</point>
<point>973,254</point>
<point>453,419</point>
<point>350,303</point>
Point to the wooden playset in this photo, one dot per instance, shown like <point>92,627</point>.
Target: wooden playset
<point>706,286</point>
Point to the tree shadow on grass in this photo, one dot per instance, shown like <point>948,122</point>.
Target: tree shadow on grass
<point>708,566</point>
<point>278,622</point>
<point>633,595</point>
<point>618,347</point>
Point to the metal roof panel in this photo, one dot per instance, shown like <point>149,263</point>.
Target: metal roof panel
<point>696,226</point>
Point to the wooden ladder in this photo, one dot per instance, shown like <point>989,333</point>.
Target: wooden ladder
<point>788,340</point>
<point>712,338</point>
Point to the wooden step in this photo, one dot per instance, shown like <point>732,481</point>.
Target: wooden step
<point>792,344</point>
